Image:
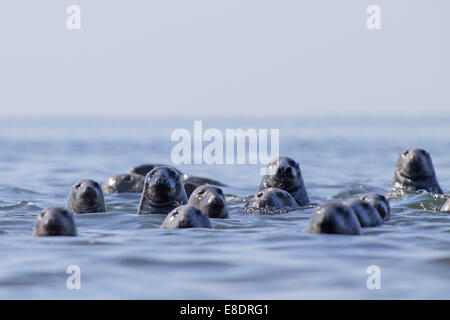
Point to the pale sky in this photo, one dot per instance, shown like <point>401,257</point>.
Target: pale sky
<point>224,57</point>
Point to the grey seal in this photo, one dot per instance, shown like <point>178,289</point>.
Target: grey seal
<point>190,182</point>
<point>211,200</point>
<point>186,216</point>
<point>86,196</point>
<point>55,222</point>
<point>268,199</point>
<point>126,182</point>
<point>284,173</point>
<point>380,202</point>
<point>446,206</point>
<point>415,171</point>
<point>163,191</point>
<point>144,169</point>
<point>367,214</point>
<point>336,218</point>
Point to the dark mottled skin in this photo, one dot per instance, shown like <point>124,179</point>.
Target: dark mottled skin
<point>186,216</point>
<point>380,202</point>
<point>55,222</point>
<point>415,171</point>
<point>86,197</point>
<point>127,182</point>
<point>335,218</point>
<point>367,214</point>
<point>211,200</point>
<point>285,173</point>
<point>163,191</point>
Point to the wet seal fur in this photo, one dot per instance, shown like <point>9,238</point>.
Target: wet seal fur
<point>415,171</point>
<point>55,222</point>
<point>86,197</point>
<point>186,216</point>
<point>126,182</point>
<point>190,182</point>
<point>284,173</point>
<point>163,191</point>
<point>380,202</point>
<point>271,201</point>
<point>335,218</point>
<point>367,214</point>
<point>211,200</point>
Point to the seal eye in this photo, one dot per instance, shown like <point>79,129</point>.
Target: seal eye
<point>96,185</point>
<point>201,192</point>
<point>406,153</point>
<point>219,191</point>
<point>292,163</point>
<point>78,185</point>
<point>259,195</point>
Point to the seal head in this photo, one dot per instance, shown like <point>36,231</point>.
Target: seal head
<point>335,218</point>
<point>86,196</point>
<point>269,198</point>
<point>284,173</point>
<point>367,215</point>
<point>127,182</point>
<point>415,171</point>
<point>380,202</point>
<point>190,182</point>
<point>163,191</point>
<point>55,222</point>
<point>186,216</point>
<point>211,200</point>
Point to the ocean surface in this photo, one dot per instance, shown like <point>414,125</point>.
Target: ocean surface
<point>125,256</point>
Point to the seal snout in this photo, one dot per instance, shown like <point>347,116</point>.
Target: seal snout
<point>89,194</point>
<point>216,202</point>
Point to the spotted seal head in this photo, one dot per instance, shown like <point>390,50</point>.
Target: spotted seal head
<point>380,202</point>
<point>127,182</point>
<point>86,197</point>
<point>190,182</point>
<point>446,206</point>
<point>335,218</point>
<point>163,191</point>
<point>415,171</point>
<point>211,200</point>
<point>367,215</point>
<point>284,173</point>
<point>269,198</point>
<point>55,222</point>
<point>186,216</point>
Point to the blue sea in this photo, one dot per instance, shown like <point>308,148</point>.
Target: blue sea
<point>125,256</point>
